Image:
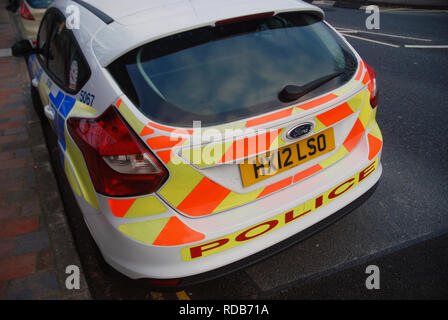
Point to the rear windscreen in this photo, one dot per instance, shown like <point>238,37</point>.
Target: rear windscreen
<point>232,71</point>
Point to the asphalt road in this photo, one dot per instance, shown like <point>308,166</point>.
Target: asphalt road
<point>402,228</point>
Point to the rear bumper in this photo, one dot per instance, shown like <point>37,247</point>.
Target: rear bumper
<point>277,248</point>
<point>138,260</point>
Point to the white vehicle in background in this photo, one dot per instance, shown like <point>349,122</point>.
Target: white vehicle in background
<point>125,91</point>
<point>29,16</point>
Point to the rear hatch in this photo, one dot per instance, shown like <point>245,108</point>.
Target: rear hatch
<point>246,108</point>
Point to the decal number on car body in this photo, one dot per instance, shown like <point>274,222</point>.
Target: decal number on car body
<point>87,98</point>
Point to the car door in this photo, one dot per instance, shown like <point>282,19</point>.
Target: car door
<point>64,70</point>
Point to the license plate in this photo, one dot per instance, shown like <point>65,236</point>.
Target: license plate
<point>265,166</point>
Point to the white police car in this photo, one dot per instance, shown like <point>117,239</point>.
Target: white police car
<point>202,135</point>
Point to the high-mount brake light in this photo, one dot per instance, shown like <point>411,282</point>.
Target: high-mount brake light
<point>25,12</point>
<point>373,88</point>
<point>118,162</point>
<point>244,18</point>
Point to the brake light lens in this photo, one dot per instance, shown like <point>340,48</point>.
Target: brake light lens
<point>372,87</point>
<point>25,12</point>
<point>118,162</point>
<point>244,18</point>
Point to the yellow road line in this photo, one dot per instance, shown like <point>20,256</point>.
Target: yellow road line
<point>157,296</point>
<point>182,295</point>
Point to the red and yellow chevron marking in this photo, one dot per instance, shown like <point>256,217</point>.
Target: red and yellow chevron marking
<point>239,149</point>
<point>186,187</point>
<point>235,239</point>
<point>375,142</point>
<point>164,142</point>
<point>169,231</point>
<point>189,198</point>
<point>136,208</point>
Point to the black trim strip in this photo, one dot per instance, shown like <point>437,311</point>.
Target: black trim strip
<point>100,14</point>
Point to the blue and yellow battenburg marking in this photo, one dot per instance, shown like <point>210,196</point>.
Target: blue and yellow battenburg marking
<point>71,158</point>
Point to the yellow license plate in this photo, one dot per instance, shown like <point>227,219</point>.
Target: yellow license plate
<point>265,166</point>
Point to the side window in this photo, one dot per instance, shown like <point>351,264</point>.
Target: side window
<point>58,51</point>
<point>79,72</point>
<point>42,36</point>
<point>61,55</point>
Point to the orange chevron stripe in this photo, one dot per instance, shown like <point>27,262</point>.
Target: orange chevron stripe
<point>240,148</point>
<point>354,136</point>
<point>118,104</point>
<point>146,131</point>
<point>163,142</point>
<point>375,145</point>
<point>317,102</point>
<point>119,207</point>
<point>269,118</point>
<point>366,78</point>
<point>275,187</point>
<point>335,114</point>
<point>194,204</point>
<point>168,129</point>
<point>360,71</point>
<point>176,233</point>
<point>165,155</point>
<point>306,173</point>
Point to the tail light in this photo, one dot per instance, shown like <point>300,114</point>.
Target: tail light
<point>25,12</point>
<point>118,162</point>
<point>372,87</point>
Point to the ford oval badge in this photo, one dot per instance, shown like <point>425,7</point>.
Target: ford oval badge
<point>300,130</point>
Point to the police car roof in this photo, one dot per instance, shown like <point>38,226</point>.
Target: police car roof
<point>141,21</point>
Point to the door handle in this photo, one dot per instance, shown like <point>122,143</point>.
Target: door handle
<point>35,82</point>
<point>49,112</point>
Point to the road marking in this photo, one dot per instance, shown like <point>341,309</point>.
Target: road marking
<point>426,47</point>
<point>182,295</point>
<point>393,9</point>
<point>370,40</point>
<point>5,53</point>
<point>157,296</point>
<point>381,34</point>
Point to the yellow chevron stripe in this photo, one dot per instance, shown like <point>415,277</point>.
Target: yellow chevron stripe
<point>71,178</point>
<point>235,199</point>
<point>146,231</point>
<point>278,141</point>
<point>366,111</point>
<point>376,132</point>
<point>134,122</point>
<point>319,125</point>
<point>341,153</point>
<point>82,110</point>
<point>373,118</point>
<point>183,179</point>
<point>356,102</point>
<point>145,207</point>
<point>349,86</point>
<point>81,172</point>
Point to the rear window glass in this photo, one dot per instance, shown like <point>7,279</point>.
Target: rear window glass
<point>39,4</point>
<point>232,71</point>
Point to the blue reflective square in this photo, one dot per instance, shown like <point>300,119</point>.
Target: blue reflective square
<point>67,106</point>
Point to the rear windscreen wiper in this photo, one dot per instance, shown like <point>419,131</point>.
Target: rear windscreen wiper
<point>292,92</point>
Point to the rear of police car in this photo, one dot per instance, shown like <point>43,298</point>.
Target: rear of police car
<point>230,136</point>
